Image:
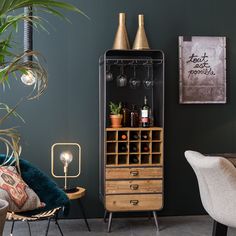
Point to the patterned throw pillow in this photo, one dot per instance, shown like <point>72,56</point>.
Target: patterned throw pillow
<point>14,190</point>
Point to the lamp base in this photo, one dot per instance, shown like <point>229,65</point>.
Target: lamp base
<point>70,190</point>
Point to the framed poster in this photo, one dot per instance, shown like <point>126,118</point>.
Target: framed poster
<point>202,70</point>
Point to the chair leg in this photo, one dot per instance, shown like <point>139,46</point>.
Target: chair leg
<point>105,216</point>
<point>155,219</point>
<point>57,223</point>
<point>12,227</point>
<point>219,229</point>
<point>49,220</point>
<point>109,222</point>
<point>83,213</point>
<point>28,227</point>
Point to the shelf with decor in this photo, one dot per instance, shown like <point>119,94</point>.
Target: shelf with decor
<point>131,158</point>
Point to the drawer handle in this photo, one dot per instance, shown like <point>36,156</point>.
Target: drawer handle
<point>134,173</point>
<point>134,202</point>
<point>134,186</point>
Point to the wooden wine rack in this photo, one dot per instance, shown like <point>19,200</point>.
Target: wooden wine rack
<point>151,156</point>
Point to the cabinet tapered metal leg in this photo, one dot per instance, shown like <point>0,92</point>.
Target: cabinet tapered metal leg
<point>109,222</point>
<point>105,216</point>
<point>155,219</point>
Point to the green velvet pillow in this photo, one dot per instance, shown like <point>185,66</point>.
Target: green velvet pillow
<point>44,187</point>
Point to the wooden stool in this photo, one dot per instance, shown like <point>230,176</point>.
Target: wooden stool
<point>78,195</point>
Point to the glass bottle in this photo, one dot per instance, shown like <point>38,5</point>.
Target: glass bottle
<point>144,137</point>
<point>134,159</point>
<point>145,147</point>
<point>126,116</point>
<point>134,136</point>
<point>151,118</point>
<point>122,147</point>
<point>145,114</point>
<point>134,117</point>
<point>133,147</point>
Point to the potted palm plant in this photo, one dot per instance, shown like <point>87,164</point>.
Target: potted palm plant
<point>115,116</point>
<point>13,64</point>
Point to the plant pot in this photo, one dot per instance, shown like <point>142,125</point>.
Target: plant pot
<point>116,121</point>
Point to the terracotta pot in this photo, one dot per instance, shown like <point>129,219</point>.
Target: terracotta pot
<point>116,121</point>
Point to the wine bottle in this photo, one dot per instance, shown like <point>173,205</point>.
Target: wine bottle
<point>122,148</point>
<point>135,137</point>
<point>133,159</point>
<point>144,137</point>
<point>133,148</point>
<point>145,148</point>
<point>134,119</point>
<point>123,137</point>
<point>126,116</point>
<point>145,114</point>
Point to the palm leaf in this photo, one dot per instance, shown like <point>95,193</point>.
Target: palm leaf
<point>11,5</point>
<point>11,138</point>
<point>10,111</point>
<point>35,67</point>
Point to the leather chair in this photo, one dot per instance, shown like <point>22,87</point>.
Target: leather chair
<point>3,212</point>
<point>217,184</point>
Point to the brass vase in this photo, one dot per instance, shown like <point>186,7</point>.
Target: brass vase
<point>121,39</point>
<point>141,42</point>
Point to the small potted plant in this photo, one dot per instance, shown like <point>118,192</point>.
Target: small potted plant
<point>115,115</point>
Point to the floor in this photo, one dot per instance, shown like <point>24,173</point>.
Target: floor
<point>169,226</point>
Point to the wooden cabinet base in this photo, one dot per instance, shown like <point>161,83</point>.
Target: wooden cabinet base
<point>134,202</point>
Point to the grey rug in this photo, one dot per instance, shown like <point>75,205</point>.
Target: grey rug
<point>169,226</point>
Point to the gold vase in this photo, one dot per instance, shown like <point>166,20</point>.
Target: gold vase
<point>141,42</point>
<point>121,39</point>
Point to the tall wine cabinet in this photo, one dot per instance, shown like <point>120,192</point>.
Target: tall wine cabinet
<point>131,159</point>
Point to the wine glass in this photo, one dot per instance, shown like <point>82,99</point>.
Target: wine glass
<point>109,75</point>
<point>121,79</point>
<point>148,81</point>
<point>134,82</point>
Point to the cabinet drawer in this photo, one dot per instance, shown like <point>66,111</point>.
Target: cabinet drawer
<point>133,173</point>
<point>134,202</point>
<point>133,186</point>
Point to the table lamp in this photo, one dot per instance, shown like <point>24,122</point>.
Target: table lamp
<point>66,157</point>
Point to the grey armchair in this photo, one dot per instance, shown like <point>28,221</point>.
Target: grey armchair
<point>217,184</point>
<point>3,212</point>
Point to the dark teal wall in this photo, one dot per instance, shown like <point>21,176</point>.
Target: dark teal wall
<point>69,109</point>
